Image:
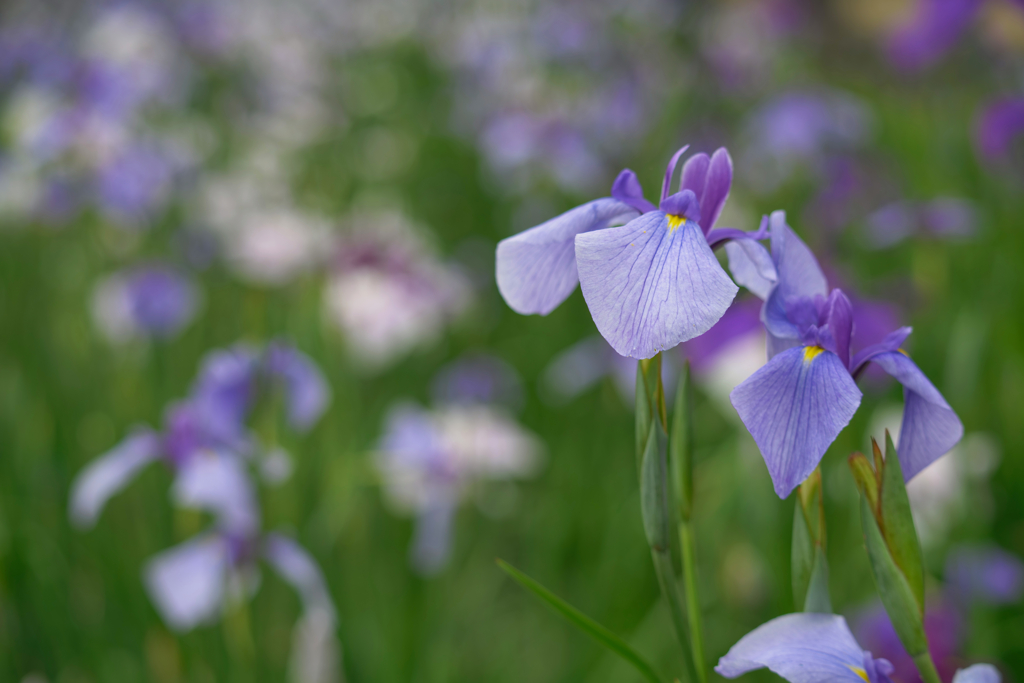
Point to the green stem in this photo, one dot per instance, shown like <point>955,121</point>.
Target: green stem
<point>688,548</point>
<point>926,667</point>
<point>670,590</point>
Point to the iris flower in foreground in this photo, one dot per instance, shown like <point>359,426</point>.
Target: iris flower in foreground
<point>819,648</point>
<point>796,405</point>
<point>650,284</point>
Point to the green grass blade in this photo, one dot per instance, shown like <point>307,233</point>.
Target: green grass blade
<point>582,622</point>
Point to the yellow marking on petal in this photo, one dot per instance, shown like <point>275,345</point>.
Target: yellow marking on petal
<point>860,672</point>
<point>674,222</point>
<point>811,352</point>
<point>904,353</point>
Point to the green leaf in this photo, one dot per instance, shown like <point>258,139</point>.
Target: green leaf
<point>681,444</point>
<point>654,493</point>
<point>896,594</point>
<point>582,622</point>
<point>898,523</point>
<point>818,598</point>
<point>809,564</point>
<point>644,416</point>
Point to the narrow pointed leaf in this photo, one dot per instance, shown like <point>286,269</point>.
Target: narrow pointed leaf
<point>898,524</point>
<point>896,594</point>
<point>681,444</point>
<point>818,598</point>
<point>654,493</point>
<point>583,622</point>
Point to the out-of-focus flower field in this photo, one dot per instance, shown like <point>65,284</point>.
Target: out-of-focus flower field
<point>264,415</point>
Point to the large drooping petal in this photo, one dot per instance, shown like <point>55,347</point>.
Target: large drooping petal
<point>650,287</point>
<point>751,266</point>
<point>798,269</point>
<point>536,269</point>
<point>978,673</point>
<point>930,427</point>
<point>218,483</point>
<point>109,473</point>
<point>298,568</point>
<point>794,407</point>
<point>802,648</point>
<point>187,581</point>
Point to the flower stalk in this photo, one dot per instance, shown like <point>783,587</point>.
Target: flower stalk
<point>809,562</point>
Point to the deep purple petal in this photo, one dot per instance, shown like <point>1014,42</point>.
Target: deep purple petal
<point>802,648</point>
<point>795,407</point>
<point>799,272</point>
<point>695,174</point>
<point>839,318</point>
<point>997,126</point>
<point>536,269</point>
<point>298,568</point>
<point>683,203</point>
<point>716,189</point>
<point>666,184</point>
<point>978,673</point>
<point>225,390</point>
<point>741,319</point>
<point>109,473</point>
<point>930,427</point>
<point>936,27</point>
<point>186,582</point>
<point>627,190</point>
<point>751,266</point>
<point>892,342</point>
<point>650,287</point>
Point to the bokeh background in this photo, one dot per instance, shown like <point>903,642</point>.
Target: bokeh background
<point>182,177</point>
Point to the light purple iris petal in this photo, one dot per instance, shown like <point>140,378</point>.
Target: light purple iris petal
<point>891,342</point>
<point>931,33</point>
<point>997,126</point>
<point>930,427</point>
<point>794,407</point>
<point>219,484</point>
<point>839,318</point>
<point>751,266</point>
<point>891,224</point>
<point>695,175</point>
<point>716,188</point>
<point>985,574</point>
<point>978,673</point>
<point>536,269</point>
<point>627,190</point>
<point>802,648</point>
<point>225,389</point>
<point>650,287</point>
<point>187,582</point>
<point>431,544</point>
<point>298,568</point>
<point>798,269</point>
<point>109,473</point>
<point>306,391</point>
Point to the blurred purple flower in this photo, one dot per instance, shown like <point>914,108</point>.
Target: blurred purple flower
<point>307,393</point>
<point>134,184</point>
<point>996,127</point>
<point>930,33</point>
<point>796,405</point>
<point>986,574</point>
<point>478,379</point>
<point>152,300</point>
<point>944,218</point>
<point>943,625</point>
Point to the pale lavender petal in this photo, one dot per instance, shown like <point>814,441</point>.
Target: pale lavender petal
<point>751,266</point>
<point>307,393</point>
<point>716,190</point>
<point>978,673</point>
<point>802,648</point>
<point>794,407</point>
<point>219,484</point>
<point>799,272</point>
<point>187,582</point>
<point>478,378</point>
<point>930,427</point>
<point>536,269</point>
<point>579,367</point>
<point>298,568</point>
<point>432,541</point>
<point>627,190</point>
<point>650,287</point>
<point>891,224</point>
<point>109,473</point>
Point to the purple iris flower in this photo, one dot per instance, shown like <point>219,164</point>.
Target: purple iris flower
<point>985,574</point>
<point>476,379</point>
<point>819,648</point>
<point>134,184</point>
<point>306,391</point>
<point>162,300</point>
<point>796,405</point>
<point>651,283</point>
<point>943,625</point>
<point>944,218</point>
<point>931,33</point>
<point>997,126</point>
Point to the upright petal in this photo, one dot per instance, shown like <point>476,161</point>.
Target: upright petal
<point>802,648</point>
<point>930,427</point>
<point>307,393</point>
<point>978,673</point>
<point>108,474</point>
<point>839,318</point>
<point>670,170</point>
<point>794,407</point>
<point>298,568</point>
<point>716,189</point>
<point>187,582</point>
<point>536,269</point>
<point>751,266</point>
<point>799,272</point>
<point>650,287</point>
<point>695,174</point>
